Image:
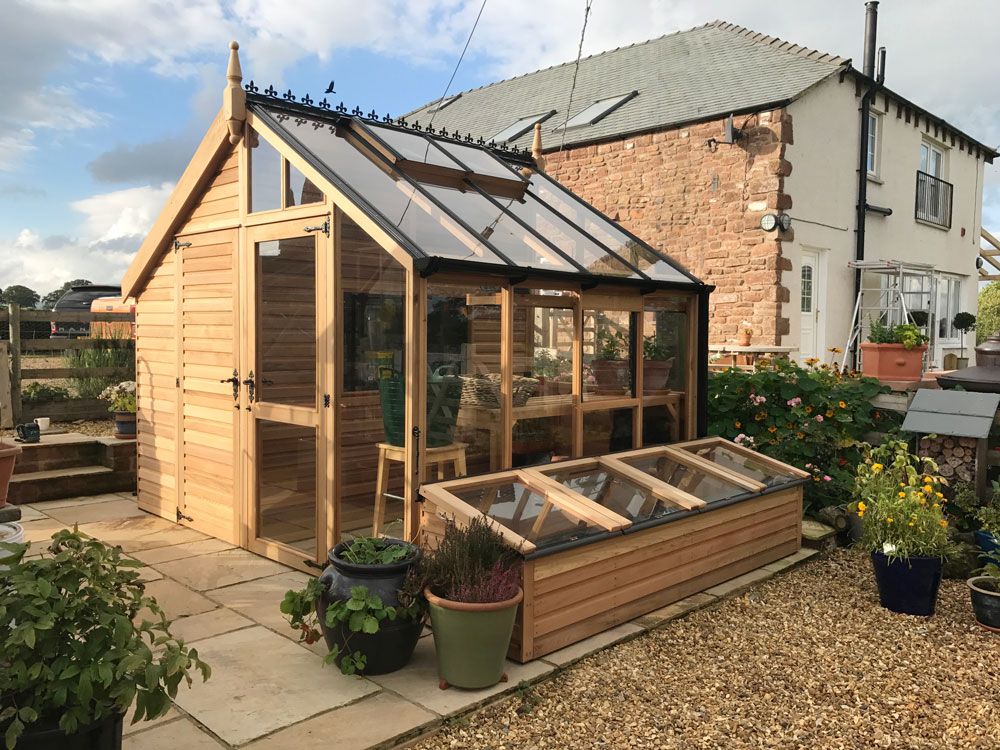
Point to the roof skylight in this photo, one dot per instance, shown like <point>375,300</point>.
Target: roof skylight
<point>598,110</point>
<point>520,127</point>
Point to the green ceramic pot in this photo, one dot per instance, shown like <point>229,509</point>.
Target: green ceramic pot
<point>471,640</point>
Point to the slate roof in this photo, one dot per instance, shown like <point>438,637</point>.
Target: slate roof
<point>705,72</point>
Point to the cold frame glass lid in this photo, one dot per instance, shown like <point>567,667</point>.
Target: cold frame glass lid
<point>613,491</point>
<point>526,511</point>
<point>749,464</point>
<point>675,472</point>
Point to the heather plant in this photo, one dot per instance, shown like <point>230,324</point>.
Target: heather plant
<point>812,417</point>
<point>473,563</point>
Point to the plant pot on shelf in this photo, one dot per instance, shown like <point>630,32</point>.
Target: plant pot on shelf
<point>8,457</point>
<point>611,375</point>
<point>909,585</point>
<point>125,425</point>
<point>392,646</point>
<point>655,374</point>
<point>985,601</point>
<point>471,640</point>
<point>744,338</point>
<point>46,735</point>
<point>892,361</point>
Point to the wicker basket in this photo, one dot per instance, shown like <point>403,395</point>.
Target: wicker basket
<point>484,390</point>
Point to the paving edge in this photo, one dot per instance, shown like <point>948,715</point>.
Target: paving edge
<point>418,734</point>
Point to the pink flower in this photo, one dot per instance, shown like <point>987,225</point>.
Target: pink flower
<point>827,478</point>
<point>819,417</point>
<point>793,402</point>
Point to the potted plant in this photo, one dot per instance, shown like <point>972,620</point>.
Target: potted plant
<point>121,398</point>
<point>744,334</point>
<point>553,372</point>
<point>987,536</point>
<point>984,589</point>
<point>473,591</point>
<point>656,365</point>
<point>8,457</point>
<point>899,500</point>
<point>367,604</point>
<point>75,654</point>
<point>964,322</point>
<point>893,352</point>
<point>610,365</point>
<point>919,318</point>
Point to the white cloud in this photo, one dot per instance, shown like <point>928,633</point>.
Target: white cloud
<point>121,213</point>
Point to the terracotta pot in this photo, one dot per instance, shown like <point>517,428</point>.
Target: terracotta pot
<point>892,361</point>
<point>655,373</point>
<point>611,375</point>
<point>8,455</point>
<point>744,338</point>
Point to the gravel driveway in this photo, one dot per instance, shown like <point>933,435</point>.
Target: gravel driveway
<point>806,660</point>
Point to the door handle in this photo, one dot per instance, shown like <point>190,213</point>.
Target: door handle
<point>251,385</point>
<point>235,380</point>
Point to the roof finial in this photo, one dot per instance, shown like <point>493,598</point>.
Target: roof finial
<point>536,154</point>
<point>234,98</point>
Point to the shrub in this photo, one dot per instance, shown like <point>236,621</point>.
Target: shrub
<point>906,334</point>
<point>988,321</point>
<point>121,396</point>
<point>113,352</point>
<point>810,417</point>
<point>43,392</point>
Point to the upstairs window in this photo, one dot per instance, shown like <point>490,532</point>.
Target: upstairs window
<point>520,127</point>
<point>598,110</point>
<point>874,123</point>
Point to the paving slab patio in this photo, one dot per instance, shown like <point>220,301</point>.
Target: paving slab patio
<point>267,691</point>
<point>262,682</point>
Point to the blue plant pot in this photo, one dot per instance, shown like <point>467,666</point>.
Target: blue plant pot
<point>986,541</point>
<point>908,586</point>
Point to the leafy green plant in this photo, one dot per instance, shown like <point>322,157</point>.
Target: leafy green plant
<point>964,322</point>
<point>968,513</point>
<point>76,646</point>
<point>654,350</point>
<point>548,366</point>
<point>991,569</point>
<point>115,352</point>
<point>38,392</point>
<point>810,417</point>
<point>988,311</point>
<point>906,334</point>
<point>899,499</point>
<point>374,551</point>
<point>611,344</point>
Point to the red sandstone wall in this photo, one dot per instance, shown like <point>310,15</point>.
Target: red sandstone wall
<point>702,205</point>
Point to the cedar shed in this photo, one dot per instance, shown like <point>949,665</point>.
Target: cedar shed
<point>334,308</point>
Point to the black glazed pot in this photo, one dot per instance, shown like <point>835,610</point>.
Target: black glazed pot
<point>102,735</point>
<point>908,586</point>
<point>985,602</point>
<point>392,646</point>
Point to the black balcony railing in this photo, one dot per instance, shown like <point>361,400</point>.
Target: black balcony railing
<point>933,200</point>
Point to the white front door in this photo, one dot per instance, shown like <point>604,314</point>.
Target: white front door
<point>809,305</point>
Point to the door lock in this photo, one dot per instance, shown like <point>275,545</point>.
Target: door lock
<point>251,385</point>
<point>235,380</point>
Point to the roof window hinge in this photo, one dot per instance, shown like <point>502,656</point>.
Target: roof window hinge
<point>324,228</point>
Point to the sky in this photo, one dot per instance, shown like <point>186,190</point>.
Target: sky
<point>104,101</point>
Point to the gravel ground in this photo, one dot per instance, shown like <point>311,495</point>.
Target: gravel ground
<point>806,660</point>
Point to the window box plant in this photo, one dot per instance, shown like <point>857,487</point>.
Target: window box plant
<point>367,605</point>
<point>964,322</point>
<point>656,365</point>
<point>122,400</point>
<point>610,364</point>
<point>985,592</point>
<point>894,353</point>
<point>899,499</point>
<point>75,654</point>
<point>473,592</point>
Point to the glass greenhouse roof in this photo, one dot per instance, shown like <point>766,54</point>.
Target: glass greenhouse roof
<point>462,203</point>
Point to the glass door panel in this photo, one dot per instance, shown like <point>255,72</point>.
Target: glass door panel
<point>282,388</point>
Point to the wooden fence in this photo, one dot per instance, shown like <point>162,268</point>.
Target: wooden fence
<point>13,408</point>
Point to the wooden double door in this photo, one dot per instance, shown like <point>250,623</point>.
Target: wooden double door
<point>254,418</point>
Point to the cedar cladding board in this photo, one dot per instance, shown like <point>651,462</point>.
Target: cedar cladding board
<point>702,205</point>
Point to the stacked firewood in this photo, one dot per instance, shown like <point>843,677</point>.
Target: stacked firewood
<point>956,456</point>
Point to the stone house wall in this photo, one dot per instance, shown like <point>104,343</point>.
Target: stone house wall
<point>701,204</point>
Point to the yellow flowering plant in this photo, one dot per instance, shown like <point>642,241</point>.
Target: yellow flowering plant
<point>899,498</point>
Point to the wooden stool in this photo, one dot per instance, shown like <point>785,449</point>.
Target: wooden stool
<point>454,452</point>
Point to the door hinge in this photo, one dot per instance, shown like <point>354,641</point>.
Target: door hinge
<point>324,228</point>
<point>181,516</point>
<point>177,382</point>
<point>178,245</point>
<point>326,400</point>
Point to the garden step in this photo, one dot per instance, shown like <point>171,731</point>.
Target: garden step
<point>54,484</point>
<point>817,535</point>
<point>58,452</point>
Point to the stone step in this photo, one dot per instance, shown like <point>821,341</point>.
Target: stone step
<point>54,484</point>
<point>52,454</point>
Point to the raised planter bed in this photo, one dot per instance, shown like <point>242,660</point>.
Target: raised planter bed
<point>610,538</point>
